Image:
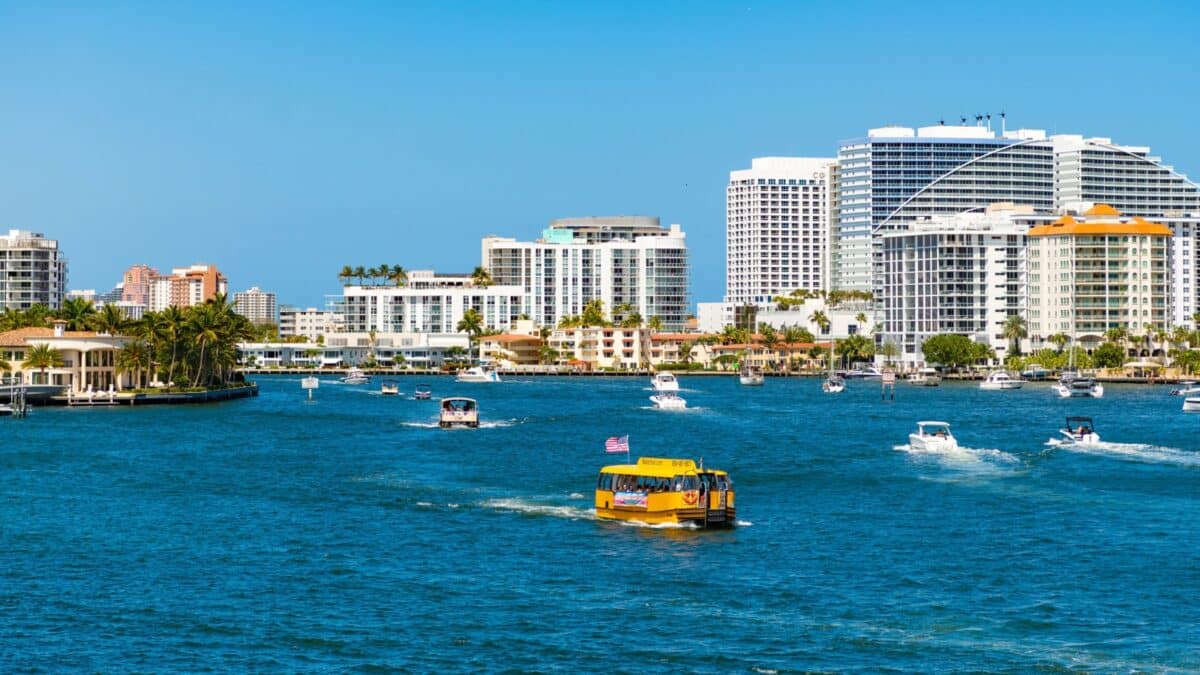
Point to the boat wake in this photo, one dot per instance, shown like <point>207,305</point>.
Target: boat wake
<point>966,458</point>
<point>694,409</point>
<point>498,424</point>
<point>516,505</point>
<point>1136,452</point>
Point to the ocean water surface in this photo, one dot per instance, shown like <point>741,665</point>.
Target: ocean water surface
<point>351,533</point>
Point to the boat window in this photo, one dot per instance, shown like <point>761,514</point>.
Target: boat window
<point>691,482</point>
<point>605,482</point>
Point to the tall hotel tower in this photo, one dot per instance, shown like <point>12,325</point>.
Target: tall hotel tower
<point>776,228</point>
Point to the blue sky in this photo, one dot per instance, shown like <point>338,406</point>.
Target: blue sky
<point>282,141</point>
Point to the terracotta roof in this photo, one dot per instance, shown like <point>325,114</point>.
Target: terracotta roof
<point>679,337</point>
<point>19,337</point>
<point>779,346</point>
<point>1107,221</point>
<point>506,338</point>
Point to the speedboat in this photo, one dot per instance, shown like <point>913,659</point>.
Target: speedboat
<point>355,376</point>
<point>389,389</point>
<point>478,374</point>
<point>459,412</point>
<point>863,373</point>
<point>1188,388</point>
<point>664,382</point>
<point>751,376</point>
<point>1000,380</point>
<point>1035,371</point>
<point>423,392</point>
<point>834,384</point>
<point>925,377</point>
<point>1079,387</point>
<point>932,437</point>
<point>1191,404</point>
<point>668,400</point>
<point>1079,431</point>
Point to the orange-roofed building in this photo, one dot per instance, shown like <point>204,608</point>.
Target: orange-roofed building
<point>1097,271</point>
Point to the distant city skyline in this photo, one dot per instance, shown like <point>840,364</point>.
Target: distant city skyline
<point>288,142</point>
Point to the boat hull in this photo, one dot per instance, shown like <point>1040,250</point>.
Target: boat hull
<point>932,443</point>
<point>668,402</point>
<point>714,518</point>
<point>1191,405</point>
<point>751,380</point>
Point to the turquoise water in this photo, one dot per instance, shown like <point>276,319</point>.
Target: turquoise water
<point>275,534</point>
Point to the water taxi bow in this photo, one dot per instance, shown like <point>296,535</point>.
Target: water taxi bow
<point>658,490</point>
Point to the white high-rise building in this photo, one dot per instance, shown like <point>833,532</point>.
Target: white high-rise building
<point>256,304</point>
<point>310,323</point>
<point>428,303</point>
<point>619,260</point>
<point>776,228</point>
<point>33,271</point>
<point>963,274</point>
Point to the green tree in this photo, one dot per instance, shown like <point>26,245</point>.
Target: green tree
<point>821,319</point>
<point>890,350</point>
<point>345,274</point>
<point>361,273</point>
<point>655,324</point>
<point>133,358</point>
<point>1014,331</point>
<point>77,312</point>
<point>399,275</point>
<point>384,272</point>
<point>856,348</point>
<point>948,349</point>
<point>1059,340</point>
<point>480,276</point>
<point>471,323</point>
<point>110,319</point>
<point>1108,355</point>
<point>593,313</point>
<point>43,357</point>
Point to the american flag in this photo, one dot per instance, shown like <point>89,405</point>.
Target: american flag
<point>617,444</point>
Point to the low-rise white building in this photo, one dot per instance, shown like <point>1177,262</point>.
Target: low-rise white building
<point>429,303</point>
<point>311,323</point>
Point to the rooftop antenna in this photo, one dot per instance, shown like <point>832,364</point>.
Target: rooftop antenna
<point>1002,128</point>
<point>964,121</point>
<point>989,121</point>
<point>978,120</point>
<point>941,123</point>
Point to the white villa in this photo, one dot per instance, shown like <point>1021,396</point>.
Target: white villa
<point>88,359</point>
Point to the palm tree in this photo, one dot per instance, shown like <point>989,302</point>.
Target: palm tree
<point>655,324</point>
<point>132,358</point>
<point>821,319</point>
<point>890,350</point>
<point>399,275</point>
<point>171,324</point>
<point>481,277</point>
<point>203,326</point>
<point>685,351</point>
<point>42,356</point>
<point>471,323</point>
<point>384,271</point>
<point>1059,340</point>
<point>593,313</point>
<point>860,319</point>
<point>361,273</point>
<point>1014,331</point>
<point>345,274</point>
<point>77,312</point>
<point>110,319</point>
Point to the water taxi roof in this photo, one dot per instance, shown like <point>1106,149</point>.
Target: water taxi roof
<point>658,467</point>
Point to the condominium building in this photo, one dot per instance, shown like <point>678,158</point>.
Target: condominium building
<point>428,303</point>
<point>256,305</point>
<point>310,323</point>
<point>623,261</point>
<point>136,284</point>
<point>187,286</point>
<point>1185,268</point>
<point>1126,177</point>
<point>776,228</point>
<point>962,274</point>
<point>33,271</point>
<point>1098,271</point>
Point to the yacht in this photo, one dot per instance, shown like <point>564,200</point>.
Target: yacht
<point>750,375</point>
<point>389,388</point>
<point>1000,380</point>
<point>668,400</point>
<point>1079,431</point>
<point>459,412</point>
<point>664,382</point>
<point>863,373</point>
<point>1191,404</point>
<point>355,376</point>
<point>1188,388</point>
<point>925,377</point>
<point>478,374</point>
<point>423,393</point>
<point>932,437</point>
<point>1034,371</point>
<point>1079,387</point>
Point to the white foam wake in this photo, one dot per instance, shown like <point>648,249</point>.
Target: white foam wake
<point>963,457</point>
<point>1138,452</point>
<point>516,505</point>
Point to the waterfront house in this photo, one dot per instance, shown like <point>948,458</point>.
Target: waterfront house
<point>88,358</point>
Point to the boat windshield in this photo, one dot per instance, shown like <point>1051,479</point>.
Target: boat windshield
<point>456,404</point>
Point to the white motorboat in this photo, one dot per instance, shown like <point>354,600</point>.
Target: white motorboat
<point>355,376</point>
<point>1191,404</point>
<point>6,410</point>
<point>478,374</point>
<point>668,400</point>
<point>1079,387</point>
<point>932,436</point>
<point>750,375</point>
<point>389,389</point>
<point>664,382</point>
<point>423,392</point>
<point>1188,388</point>
<point>863,373</point>
<point>925,377</point>
<point>1034,371</point>
<point>459,412</point>
<point>1078,431</point>
<point>1000,380</point>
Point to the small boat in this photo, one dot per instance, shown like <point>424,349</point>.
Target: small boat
<point>355,376</point>
<point>925,377</point>
<point>932,436</point>
<point>478,374</point>
<point>863,373</point>
<point>1188,388</point>
<point>668,400</point>
<point>459,412</point>
<point>1191,404</point>
<point>6,410</point>
<point>834,384</point>
<point>389,389</point>
<point>1034,371</point>
<point>1079,431</point>
<point>423,392</point>
<point>1079,387</point>
<point>999,380</point>
<point>751,375</point>
<point>664,382</point>
<point>658,491</point>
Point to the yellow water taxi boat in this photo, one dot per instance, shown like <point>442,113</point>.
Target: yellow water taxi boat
<point>658,490</point>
